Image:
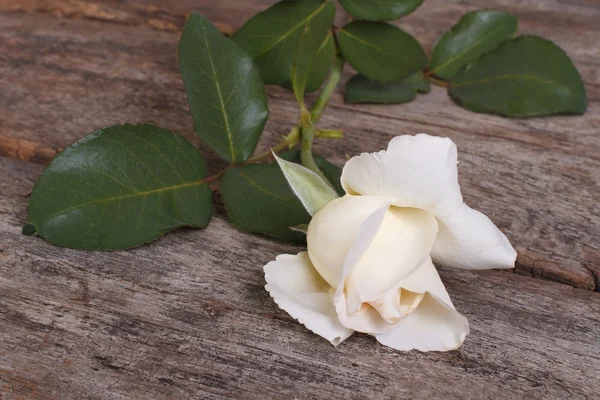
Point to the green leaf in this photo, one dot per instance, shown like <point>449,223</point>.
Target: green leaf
<point>271,37</point>
<point>417,82</point>
<point>258,198</point>
<point>303,59</point>
<point>360,89</point>
<point>312,191</point>
<point>333,173</point>
<point>380,51</point>
<point>321,63</point>
<point>226,94</point>
<point>120,187</point>
<point>476,33</point>
<point>380,10</point>
<point>524,77</point>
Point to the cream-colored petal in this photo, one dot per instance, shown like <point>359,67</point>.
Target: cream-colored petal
<point>420,171</point>
<point>425,278</point>
<point>396,304</point>
<point>417,171</point>
<point>333,230</point>
<point>366,318</point>
<point>434,325</point>
<point>468,239</point>
<point>298,288</point>
<point>401,244</point>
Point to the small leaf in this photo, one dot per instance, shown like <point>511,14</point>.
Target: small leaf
<point>476,33</point>
<point>313,192</point>
<point>333,173</point>
<point>258,198</point>
<point>120,187</point>
<point>417,82</point>
<point>271,37</point>
<point>321,63</point>
<point>226,94</point>
<point>360,89</point>
<point>303,59</point>
<point>524,77</point>
<point>380,51</point>
<point>380,10</point>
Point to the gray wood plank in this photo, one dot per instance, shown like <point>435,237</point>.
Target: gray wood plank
<point>188,317</point>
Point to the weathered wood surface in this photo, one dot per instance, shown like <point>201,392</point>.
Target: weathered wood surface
<point>71,66</point>
<point>188,317</point>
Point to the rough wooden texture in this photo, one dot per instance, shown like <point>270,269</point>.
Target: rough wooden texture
<point>102,63</point>
<point>188,317</point>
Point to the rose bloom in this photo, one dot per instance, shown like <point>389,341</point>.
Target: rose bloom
<point>369,266</point>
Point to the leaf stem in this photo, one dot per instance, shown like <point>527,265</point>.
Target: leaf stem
<point>437,81</point>
<point>332,81</point>
<point>215,176</point>
<point>289,141</point>
<point>306,157</point>
<point>309,131</point>
<point>292,139</point>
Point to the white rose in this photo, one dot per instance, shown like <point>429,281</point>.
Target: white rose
<point>369,262</point>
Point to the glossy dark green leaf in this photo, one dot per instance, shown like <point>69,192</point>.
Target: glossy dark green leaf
<point>321,63</point>
<point>476,33</point>
<point>303,60</point>
<point>524,77</point>
<point>226,94</point>
<point>380,10</point>
<point>258,198</point>
<point>417,82</point>
<point>120,187</point>
<point>380,51</point>
<point>271,37</point>
<point>360,89</point>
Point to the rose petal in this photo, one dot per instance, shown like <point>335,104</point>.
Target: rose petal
<point>332,232</point>
<point>402,243</point>
<point>366,319</point>
<point>468,239</point>
<point>298,288</point>
<point>417,171</point>
<point>420,171</point>
<point>434,325</point>
<point>396,304</point>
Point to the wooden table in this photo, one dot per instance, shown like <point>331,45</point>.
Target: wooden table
<point>187,316</point>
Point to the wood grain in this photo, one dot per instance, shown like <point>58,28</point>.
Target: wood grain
<point>188,317</point>
<point>538,179</point>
